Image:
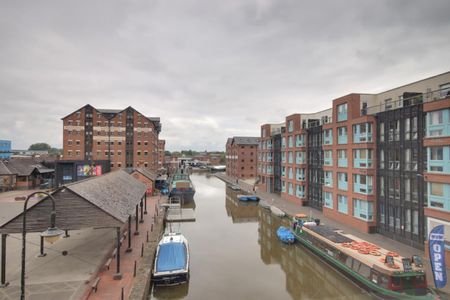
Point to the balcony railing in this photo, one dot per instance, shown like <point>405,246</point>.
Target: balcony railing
<point>342,162</point>
<point>426,97</point>
<point>363,163</point>
<point>342,139</point>
<point>342,185</point>
<point>362,188</point>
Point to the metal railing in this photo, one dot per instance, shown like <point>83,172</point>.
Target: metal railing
<point>429,96</point>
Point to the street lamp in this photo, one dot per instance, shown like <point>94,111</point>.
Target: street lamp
<point>50,235</point>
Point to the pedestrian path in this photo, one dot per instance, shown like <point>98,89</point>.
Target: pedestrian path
<point>292,208</point>
<point>108,287</point>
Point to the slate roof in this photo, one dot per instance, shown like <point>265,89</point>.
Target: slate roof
<point>108,111</point>
<point>4,169</point>
<point>144,171</point>
<point>22,167</point>
<point>245,140</point>
<point>116,193</point>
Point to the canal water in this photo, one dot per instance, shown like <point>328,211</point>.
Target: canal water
<point>235,254</point>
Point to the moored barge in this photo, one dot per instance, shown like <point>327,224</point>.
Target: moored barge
<point>384,273</point>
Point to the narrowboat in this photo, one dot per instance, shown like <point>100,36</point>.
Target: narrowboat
<point>172,260</point>
<point>382,272</point>
<point>181,186</point>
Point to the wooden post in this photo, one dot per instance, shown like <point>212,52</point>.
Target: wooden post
<point>129,249</point>
<point>3,282</point>
<point>142,211</point>
<point>137,220</point>
<point>118,275</point>
<point>145,204</point>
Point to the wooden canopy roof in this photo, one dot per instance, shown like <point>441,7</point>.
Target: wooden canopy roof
<point>104,201</point>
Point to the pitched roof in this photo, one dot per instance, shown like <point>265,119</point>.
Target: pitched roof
<point>245,140</point>
<point>4,170</point>
<point>23,166</point>
<point>144,171</point>
<point>108,111</point>
<point>116,192</point>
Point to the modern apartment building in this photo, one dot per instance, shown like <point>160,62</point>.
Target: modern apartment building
<point>270,158</point>
<point>376,162</point>
<point>123,137</point>
<point>241,157</point>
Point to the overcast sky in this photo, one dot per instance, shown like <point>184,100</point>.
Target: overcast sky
<point>209,69</point>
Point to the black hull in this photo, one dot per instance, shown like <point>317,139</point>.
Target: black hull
<point>174,279</point>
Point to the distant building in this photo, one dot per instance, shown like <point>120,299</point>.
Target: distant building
<point>23,173</point>
<point>5,149</point>
<point>241,157</point>
<point>161,153</point>
<point>124,137</point>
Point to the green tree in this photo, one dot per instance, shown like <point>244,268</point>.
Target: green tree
<point>40,147</point>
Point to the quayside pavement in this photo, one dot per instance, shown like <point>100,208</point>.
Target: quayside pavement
<point>292,208</point>
<point>60,276</point>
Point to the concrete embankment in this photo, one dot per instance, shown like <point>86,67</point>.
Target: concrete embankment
<point>142,282</point>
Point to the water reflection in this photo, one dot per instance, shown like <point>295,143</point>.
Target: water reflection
<point>240,211</point>
<point>306,276</point>
<point>235,254</point>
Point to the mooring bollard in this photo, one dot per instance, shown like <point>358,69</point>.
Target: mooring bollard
<point>142,250</point>
<point>147,235</point>
<point>134,272</point>
<point>151,228</point>
<point>122,294</point>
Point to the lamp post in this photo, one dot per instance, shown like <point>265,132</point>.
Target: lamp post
<point>50,235</point>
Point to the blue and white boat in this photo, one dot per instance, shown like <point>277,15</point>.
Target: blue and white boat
<point>248,197</point>
<point>285,235</point>
<point>172,260</point>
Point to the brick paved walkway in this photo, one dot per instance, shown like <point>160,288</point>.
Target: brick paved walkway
<point>108,288</point>
<point>292,208</point>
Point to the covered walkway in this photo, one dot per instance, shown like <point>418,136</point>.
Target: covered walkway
<point>112,204</point>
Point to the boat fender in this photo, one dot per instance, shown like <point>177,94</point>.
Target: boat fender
<point>309,224</point>
<point>346,245</point>
<point>375,253</point>
<point>392,253</point>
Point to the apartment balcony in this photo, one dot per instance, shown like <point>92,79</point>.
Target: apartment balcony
<point>362,138</point>
<point>362,163</point>
<point>299,143</point>
<point>328,161</point>
<point>327,140</point>
<point>342,139</point>
<point>362,188</point>
<point>438,202</point>
<point>342,117</point>
<point>439,166</point>
<point>301,177</point>
<point>342,185</point>
<point>438,130</point>
<point>342,162</point>
<point>300,160</point>
<point>300,194</point>
<point>394,165</point>
<point>328,181</point>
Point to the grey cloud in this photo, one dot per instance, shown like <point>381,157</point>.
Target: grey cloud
<point>209,69</point>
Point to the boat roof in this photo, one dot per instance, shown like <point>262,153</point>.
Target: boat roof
<point>172,256</point>
<point>368,259</point>
<point>330,233</point>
